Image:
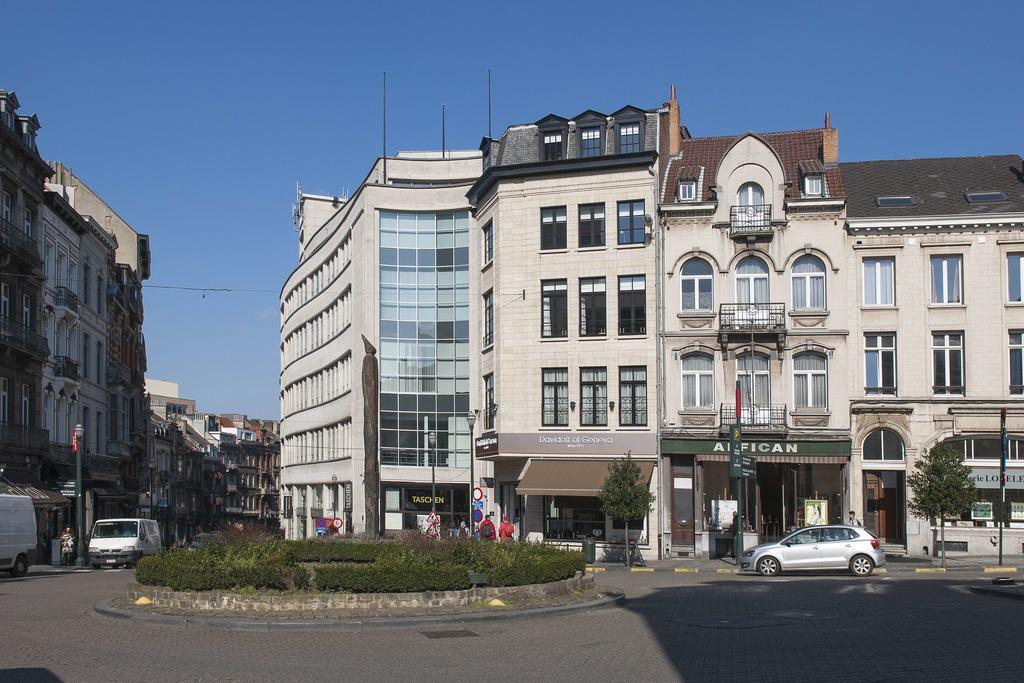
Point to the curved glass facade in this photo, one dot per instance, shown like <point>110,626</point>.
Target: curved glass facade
<point>424,337</point>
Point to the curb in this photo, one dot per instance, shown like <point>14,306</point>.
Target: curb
<point>1002,593</point>
<point>614,598</point>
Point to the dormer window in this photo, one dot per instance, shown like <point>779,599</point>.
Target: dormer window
<point>552,146</point>
<point>687,191</point>
<point>629,138</point>
<point>812,185</point>
<point>590,141</point>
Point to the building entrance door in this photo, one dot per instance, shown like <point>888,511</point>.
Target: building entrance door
<point>512,505</point>
<point>776,500</point>
<point>885,504</point>
<point>682,504</point>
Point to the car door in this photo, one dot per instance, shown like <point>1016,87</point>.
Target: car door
<point>835,547</point>
<point>801,551</point>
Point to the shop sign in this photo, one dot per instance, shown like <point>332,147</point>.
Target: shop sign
<point>988,478</point>
<point>568,443</point>
<point>348,496</point>
<point>421,500</point>
<point>755,447</point>
<point>982,511</point>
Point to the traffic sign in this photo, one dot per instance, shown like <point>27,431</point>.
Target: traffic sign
<point>478,505</point>
<point>735,450</point>
<point>478,493</point>
<point>321,523</point>
<point>478,515</point>
<point>338,523</point>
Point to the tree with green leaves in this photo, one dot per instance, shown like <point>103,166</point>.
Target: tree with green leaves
<point>942,488</point>
<point>625,495</point>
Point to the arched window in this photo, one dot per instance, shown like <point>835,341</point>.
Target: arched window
<point>883,444</point>
<point>698,377</point>
<point>810,380</point>
<point>750,194</point>
<point>697,285</point>
<point>809,283</point>
<point>752,281</point>
<point>755,388</point>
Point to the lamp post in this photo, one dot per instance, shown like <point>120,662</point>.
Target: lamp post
<point>432,445</point>
<point>76,441</point>
<point>471,419</point>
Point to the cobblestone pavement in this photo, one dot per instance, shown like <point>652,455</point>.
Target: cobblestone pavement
<point>694,627</point>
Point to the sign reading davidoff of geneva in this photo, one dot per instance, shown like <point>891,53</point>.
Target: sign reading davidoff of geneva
<point>568,443</point>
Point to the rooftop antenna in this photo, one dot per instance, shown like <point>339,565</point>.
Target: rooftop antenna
<point>488,104</point>
<point>297,207</point>
<point>444,153</point>
<point>384,150</point>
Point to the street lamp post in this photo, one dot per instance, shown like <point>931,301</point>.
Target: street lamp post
<point>79,504</point>
<point>432,445</point>
<point>471,419</point>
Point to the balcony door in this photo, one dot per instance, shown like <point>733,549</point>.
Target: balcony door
<point>750,200</point>
<point>755,388</point>
<point>752,281</point>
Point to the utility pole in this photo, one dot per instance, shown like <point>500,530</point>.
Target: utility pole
<point>1005,442</point>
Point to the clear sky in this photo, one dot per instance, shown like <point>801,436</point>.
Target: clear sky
<point>195,120</point>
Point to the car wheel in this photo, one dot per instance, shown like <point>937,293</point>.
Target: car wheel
<point>768,566</point>
<point>861,565</point>
<point>20,567</point>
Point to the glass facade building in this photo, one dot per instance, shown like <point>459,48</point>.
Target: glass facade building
<point>424,337</point>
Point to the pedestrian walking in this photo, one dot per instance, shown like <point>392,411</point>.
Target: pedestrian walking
<point>487,529</point>
<point>506,530</point>
<point>463,529</point>
<point>67,547</point>
<point>853,521</point>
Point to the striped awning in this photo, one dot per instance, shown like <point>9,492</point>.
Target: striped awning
<point>41,497</point>
<point>774,458</point>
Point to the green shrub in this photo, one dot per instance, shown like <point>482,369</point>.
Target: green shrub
<point>202,571</point>
<point>389,576</point>
<point>312,550</point>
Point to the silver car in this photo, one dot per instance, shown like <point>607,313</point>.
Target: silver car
<point>817,547</point>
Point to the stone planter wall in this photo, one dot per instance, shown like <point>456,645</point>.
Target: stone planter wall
<point>301,602</point>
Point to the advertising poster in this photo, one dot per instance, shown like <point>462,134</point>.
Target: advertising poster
<point>722,512</point>
<point>815,512</point>
<point>1016,512</point>
<point>982,511</point>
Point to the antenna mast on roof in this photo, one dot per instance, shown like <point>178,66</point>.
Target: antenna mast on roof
<point>384,149</point>
<point>488,104</point>
<point>297,208</point>
<point>444,148</point>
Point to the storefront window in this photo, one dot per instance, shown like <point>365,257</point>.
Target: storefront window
<point>573,518</point>
<point>720,498</point>
<point>408,507</point>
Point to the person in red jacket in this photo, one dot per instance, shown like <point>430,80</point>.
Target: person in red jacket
<point>506,530</point>
<point>487,529</point>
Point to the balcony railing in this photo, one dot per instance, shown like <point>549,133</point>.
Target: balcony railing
<point>948,389</point>
<point>61,453</point>
<point>488,339</point>
<point>750,221</point>
<point>1016,389</point>
<point>65,367</point>
<point>756,416</point>
<point>23,338</point>
<point>117,373</point>
<point>16,240</point>
<point>104,465</point>
<point>232,509</point>
<point>752,317</point>
<point>18,436</point>
<point>879,391</point>
<point>63,296</point>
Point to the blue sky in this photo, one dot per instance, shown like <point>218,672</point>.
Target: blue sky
<point>195,120</point>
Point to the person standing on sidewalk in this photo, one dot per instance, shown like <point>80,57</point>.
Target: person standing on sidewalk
<point>67,547</point>
<point>506,530</point>
<point>487,529</point>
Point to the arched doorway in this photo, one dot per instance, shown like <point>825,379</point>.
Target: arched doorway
<point>885,486</point>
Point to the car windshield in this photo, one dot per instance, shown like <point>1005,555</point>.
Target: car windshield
<point>115,530</point>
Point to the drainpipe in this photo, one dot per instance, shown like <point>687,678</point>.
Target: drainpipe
<point>659,315</point>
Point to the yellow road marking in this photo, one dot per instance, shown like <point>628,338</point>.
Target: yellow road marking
<point>728,571</point>
<point>930,570</point>
<point>1000,570</point>
<point>881,570</point>
<point>685,570</point>
<point>641,569</point>
<point>595,569</point>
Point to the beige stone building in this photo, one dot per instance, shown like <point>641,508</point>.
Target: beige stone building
<point>936,250</point>
<point>755,332</point>
<point>566,361</point>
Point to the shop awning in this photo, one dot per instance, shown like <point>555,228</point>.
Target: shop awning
<point>804,459</point>
<point>570,477</point>
<point>41,496</point>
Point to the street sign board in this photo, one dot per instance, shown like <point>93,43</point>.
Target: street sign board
<point>478,505</point>
<point>338,523</point>
<point>321,523</point>
<point>748,466</point>
<point>478,515</point>
<point>735,451</point>
<point>478,493</point>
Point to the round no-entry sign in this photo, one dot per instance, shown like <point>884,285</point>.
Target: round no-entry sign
<point>478,493</point>
<point>338,523</point>
<point>478,515</point>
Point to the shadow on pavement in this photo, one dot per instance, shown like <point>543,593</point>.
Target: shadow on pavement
<point>871,629</point>
<point>29,675</point>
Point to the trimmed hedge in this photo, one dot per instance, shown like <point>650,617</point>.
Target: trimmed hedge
<point>357,567</point>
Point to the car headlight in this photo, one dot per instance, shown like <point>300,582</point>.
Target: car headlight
<point>749,553</point>
<point>128,548</point>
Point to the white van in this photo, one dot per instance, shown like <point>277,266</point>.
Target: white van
<point>17,534</point>
<point>122,541</point>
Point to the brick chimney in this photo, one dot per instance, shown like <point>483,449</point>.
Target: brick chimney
<point>674,134</point>
<point>829,143</point>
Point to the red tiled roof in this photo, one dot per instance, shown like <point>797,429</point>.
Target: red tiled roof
<point>793,147</point>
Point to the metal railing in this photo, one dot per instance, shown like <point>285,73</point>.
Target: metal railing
<point>487,339</point>
<point>633,328</point>
<point>19,436</point>
<point>955,390</point>
<point>880,391</point>
<point>62,296</point>
<point>751,220</point>
<point>22,337</point>
<point>756,416</point>
<point>104,464</point>
<point>1017,389</point>
<point>64,366</point>
<point>16,240</point>
<point>752,317</point>
<point>117,373</point>
<point>61,453</point>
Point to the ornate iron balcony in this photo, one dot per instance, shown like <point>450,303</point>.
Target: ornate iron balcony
<point>750,221</point>
<point>23,338</point>
<point>63,366</point>
<point>17,241</point>
<point>752,317</point>
<point>65,297</point>
<point>19,436</point>
<point>756,416</point>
